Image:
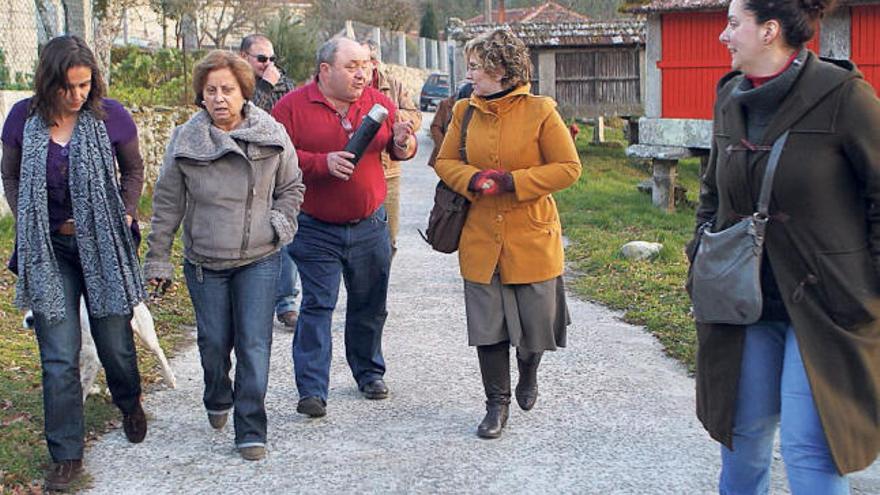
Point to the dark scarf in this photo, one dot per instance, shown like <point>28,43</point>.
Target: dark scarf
<point>109,262</point>
<point>760,104</point>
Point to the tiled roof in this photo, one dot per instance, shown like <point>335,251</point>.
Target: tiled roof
<point>647,6</point>
<point>590,33</point>
<point>549,12</point>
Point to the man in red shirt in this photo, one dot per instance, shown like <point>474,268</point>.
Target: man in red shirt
<point>343,227</point>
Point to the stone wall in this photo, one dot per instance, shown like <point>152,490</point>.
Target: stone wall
<point>154,131</point>
<point>412,78</point>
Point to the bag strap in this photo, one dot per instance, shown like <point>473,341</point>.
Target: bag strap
<point>767,183</point>
<point>462,147</point>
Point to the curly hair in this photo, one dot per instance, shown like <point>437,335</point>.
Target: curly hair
<point>797,18</point>
<point>501,52</point>
<point>221,59</point>
<point>58,56</point>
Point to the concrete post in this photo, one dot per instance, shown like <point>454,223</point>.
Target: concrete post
<point>349,30</point>
<point>377,39</point>
<point>444,56</point>
<point>663,192</point>
<point>487,11</point>
<point>547,73</point>
<point>435,54</point>
<point>422,54</point>
<point>599,130</point>
<point>401,49</point>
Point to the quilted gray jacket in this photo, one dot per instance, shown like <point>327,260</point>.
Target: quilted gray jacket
<point>237,194</point>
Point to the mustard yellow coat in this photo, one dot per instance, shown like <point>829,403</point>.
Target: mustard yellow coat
<point>518,232</point>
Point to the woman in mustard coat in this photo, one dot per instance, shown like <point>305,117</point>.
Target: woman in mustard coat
<point>519,152</point>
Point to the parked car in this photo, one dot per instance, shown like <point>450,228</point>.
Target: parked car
<point>436,88</point>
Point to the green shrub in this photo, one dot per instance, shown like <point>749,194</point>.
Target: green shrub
<point>161,77</point>
<point>295,42</point>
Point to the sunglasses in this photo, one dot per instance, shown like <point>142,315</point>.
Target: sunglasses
<point>346,126</point>
<point>263,59</point>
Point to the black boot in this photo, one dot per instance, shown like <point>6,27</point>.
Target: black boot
<point>527,387</point>
<point>495,369</point>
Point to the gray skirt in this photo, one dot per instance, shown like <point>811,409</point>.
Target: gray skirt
<point>531,316</point>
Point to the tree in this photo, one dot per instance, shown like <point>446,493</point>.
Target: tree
<point>428,27</point>
<point>295,41</point>
<point>221,18</point>
<point>393,15</point>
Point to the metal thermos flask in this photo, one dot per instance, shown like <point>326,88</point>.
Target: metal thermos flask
<point>366,132</point>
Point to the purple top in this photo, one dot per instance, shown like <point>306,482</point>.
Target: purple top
<point>120,128</point>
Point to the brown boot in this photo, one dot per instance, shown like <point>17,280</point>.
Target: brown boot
<point>62,475</point>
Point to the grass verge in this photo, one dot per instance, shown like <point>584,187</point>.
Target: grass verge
<point>23,453</point>
<point>603,211</point>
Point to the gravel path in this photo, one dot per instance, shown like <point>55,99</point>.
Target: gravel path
<point>614,416</point>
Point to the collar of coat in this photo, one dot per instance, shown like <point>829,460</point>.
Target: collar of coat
<point>818,78</point>
<point>500,105</point>
<point>200,140</point>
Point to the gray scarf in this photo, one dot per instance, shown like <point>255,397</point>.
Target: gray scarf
<point>109,262</point>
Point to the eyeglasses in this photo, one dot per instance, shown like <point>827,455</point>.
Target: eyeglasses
<point>262,58</point>
<point>472,66</point>
<point>346,126</point>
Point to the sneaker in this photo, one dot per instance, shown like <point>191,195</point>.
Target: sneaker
<point>314,407</point>
<point>135,425</point>
<point>289,319</point>
<point>252,453</point>
<point>63,474</point>
<point>217,421</point>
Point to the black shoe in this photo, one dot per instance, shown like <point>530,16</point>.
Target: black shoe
<point>493,424</point>
<point>527,388</point>
<point>63,474</point>
<point>314,407</point>
<point>135,425</point>
<point>375,390</point>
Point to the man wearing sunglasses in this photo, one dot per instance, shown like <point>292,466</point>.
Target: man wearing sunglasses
<point>272,84</point>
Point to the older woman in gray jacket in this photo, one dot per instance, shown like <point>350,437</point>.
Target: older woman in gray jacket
<point>231,176</point>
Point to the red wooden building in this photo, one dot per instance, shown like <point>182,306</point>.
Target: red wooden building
<point>685,60</point>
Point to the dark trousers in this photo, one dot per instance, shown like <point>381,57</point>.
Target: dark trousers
<point>234,310</point>
<point>59,355</point>
<point>359,254</point>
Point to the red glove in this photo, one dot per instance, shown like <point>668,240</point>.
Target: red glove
<point>491,182</point>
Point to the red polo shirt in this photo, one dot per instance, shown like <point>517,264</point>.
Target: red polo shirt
<point>316,129</point>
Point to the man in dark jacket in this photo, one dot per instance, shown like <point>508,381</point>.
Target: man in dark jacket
<point>272,84</point>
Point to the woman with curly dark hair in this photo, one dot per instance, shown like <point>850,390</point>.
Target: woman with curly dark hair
<point>810,365</point>
<point>518,152</point>
<point>60,153</point>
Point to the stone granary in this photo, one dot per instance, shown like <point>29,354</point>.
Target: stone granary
<point>685,60</point>
<point>591,68</point>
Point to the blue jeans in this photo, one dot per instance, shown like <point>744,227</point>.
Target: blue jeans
<point>59,355</point>
<point>285,297</point>
<point>774,390</point>
<point>234,311</point>
<point>359,254</point>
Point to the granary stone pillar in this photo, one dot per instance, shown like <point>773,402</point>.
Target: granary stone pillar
<point>377,39</point>
<point>835,35</point>
<point>653,75</point>
<point>423,53</point>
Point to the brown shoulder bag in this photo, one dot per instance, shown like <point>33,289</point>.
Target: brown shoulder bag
<point>450,210</point>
